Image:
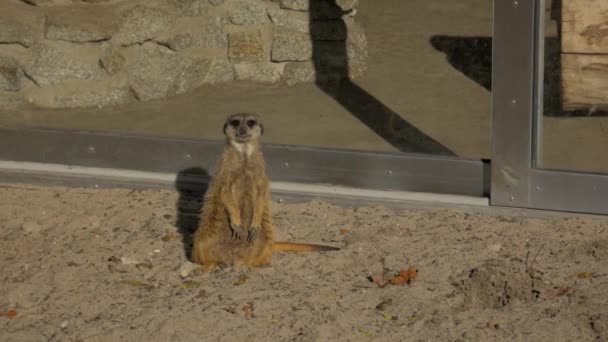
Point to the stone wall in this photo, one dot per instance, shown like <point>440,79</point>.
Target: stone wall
<point>82,53</point>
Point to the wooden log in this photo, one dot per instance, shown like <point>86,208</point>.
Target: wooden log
<point>585,26</point>
<point>584,82</point>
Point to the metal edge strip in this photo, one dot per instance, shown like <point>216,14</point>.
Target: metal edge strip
<point>104,177</point>
<point>572,192</point>
<point>357,169</point>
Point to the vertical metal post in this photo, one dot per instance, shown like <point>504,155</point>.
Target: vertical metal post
<point>513,80</point>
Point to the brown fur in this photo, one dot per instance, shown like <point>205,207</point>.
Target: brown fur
<point>236,223</point>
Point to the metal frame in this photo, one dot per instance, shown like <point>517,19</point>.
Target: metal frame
<point>367,170</point>
<point>516,117</point>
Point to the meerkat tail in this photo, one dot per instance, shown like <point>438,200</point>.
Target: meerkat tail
<point>301,247</point>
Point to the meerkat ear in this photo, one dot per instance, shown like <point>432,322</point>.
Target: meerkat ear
<point>261,129</point>
<point>225,125</point>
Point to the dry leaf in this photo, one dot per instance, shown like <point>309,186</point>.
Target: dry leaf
<point>241,280</point>
<point>562,290</point>
<point>343,231</point>
<point>557,292</point>
<point>584,275</point>
<point>366,333</point>
<point>389,316</point>
<point>170,236</point>
<point>247,310</point>
<point>99,231</point>
<point>11,313</point>
<point>405,276</point>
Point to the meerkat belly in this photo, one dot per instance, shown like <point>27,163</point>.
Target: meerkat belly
<point>246,186</point>
<point>246,208</point>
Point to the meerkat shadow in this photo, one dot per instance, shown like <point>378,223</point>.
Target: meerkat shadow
<point>191,184</point>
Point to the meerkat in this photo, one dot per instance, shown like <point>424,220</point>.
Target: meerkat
<point>236,223</point>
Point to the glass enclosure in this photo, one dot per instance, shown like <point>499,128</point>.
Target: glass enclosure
<point>574,124</point>
<point>374,94</point>
<point>374,75</point>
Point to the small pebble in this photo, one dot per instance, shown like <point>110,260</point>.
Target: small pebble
<point>187,268</point>
<point>495,247</point>
<point>31,227</point>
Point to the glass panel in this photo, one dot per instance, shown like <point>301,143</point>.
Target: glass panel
<point>575,99</point>
<point>376,75</point>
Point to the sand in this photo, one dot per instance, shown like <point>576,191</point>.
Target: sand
<point>82,264</point>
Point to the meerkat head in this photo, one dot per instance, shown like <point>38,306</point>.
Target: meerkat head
<point>243,128</point>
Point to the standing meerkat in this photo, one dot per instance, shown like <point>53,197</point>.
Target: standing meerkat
<point>236,223</point>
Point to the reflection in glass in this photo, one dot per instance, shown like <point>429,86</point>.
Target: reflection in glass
<point>575,105</point>
<point>375,75</point>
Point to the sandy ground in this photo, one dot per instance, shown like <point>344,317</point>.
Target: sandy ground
<point>106,265</point>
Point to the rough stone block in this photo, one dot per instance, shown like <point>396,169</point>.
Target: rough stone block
<point>19,24</point>
<point>299,72</point>
<point>356,48</point>
<point>248,13</point>
<point>318,10</point>
<point>290,45</point>
<point>56,61</point>
<point>76,24</point>
<point>213,30</point>
<point>156,72</point>
<point>11,75</point>
<point>221,70</point>
<point>296,5</point>
<point>81,93</point>
<point>197,36</point>
<point>264,72</point>
<point>179,42</point>
<point>18,53</point>
<point>191,7</point>
<point>112,61</point>
<point>246,46</point>
<point>141,23</point>
<point>299,21</point>
<point>346,5</point>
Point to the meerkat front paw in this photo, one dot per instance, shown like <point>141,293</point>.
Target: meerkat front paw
<point>236,231</point>
<point>252,232</point>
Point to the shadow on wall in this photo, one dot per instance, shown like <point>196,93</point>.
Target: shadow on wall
<point>191,185</point>
<point>472,56</point>
<point>332,76</point>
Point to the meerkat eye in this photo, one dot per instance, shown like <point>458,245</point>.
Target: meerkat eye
<point>251,123</point>
<point>234,123</point>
